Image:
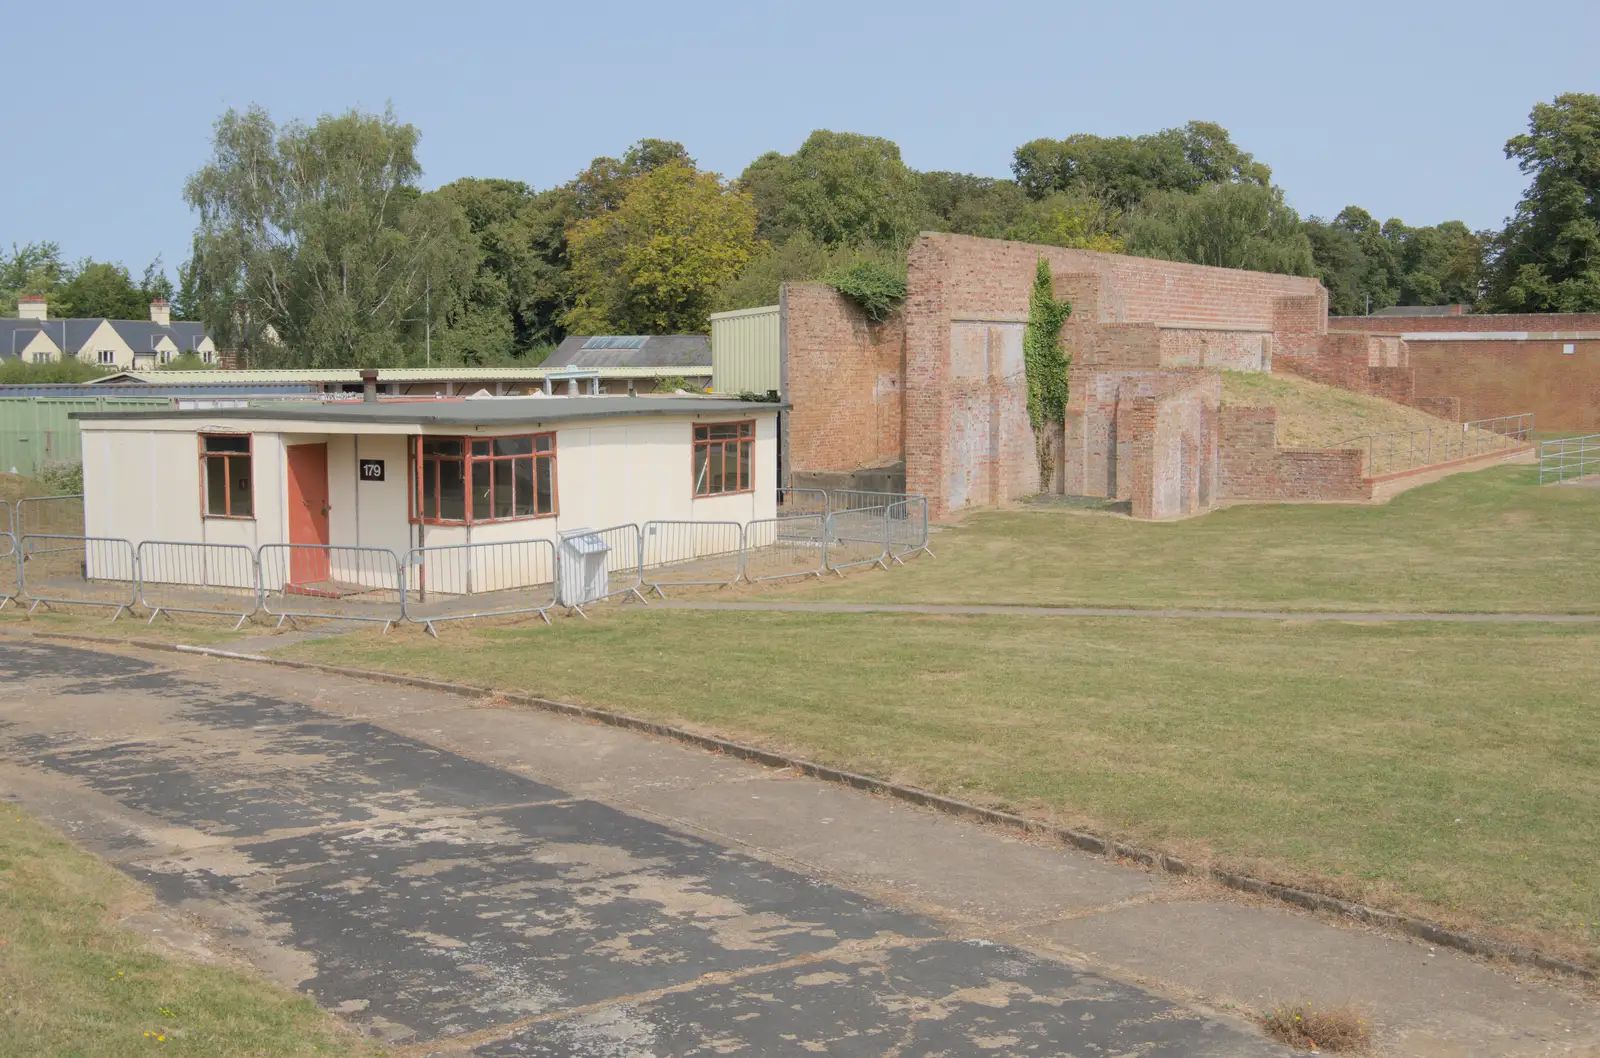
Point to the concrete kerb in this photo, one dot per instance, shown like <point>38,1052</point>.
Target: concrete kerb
<point>1084,841</point>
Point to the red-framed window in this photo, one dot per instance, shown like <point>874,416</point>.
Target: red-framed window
<point>465,480</point>
<point>723,454</point>
<point>227,481</point>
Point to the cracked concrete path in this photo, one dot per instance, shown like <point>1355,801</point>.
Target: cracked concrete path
<point>460,878</point>
<point>1020,610</point>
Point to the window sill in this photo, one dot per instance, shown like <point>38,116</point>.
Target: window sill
<point>484,521</point>
<point>229,517</point>
<point>720,495</point>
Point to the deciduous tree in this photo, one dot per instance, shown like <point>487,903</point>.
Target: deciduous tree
<point>1225,225</point>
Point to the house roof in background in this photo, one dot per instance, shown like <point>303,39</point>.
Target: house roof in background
<point>69,335</point>
<point>633,350</point>
<point>385,375</point>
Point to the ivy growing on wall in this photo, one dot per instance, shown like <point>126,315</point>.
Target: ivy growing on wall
<point>1045,362</point>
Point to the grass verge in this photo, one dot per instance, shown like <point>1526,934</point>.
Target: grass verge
<point>1490,540</point>
<point>75,982</point>
<point>1451,772</point>
<point>97,622</point>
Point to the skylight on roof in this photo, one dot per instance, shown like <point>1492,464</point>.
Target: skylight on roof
<point>616,341</point>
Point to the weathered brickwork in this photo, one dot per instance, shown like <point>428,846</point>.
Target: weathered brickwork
<point>1251,466</point>
<point>845,379</point>
<point>1522,364</point>
<point>1171,440</point>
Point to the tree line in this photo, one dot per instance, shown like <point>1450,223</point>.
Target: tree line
<point>316,245</point>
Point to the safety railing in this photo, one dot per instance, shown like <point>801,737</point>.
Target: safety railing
<point>1392,453</point>
<point>908,527</point>
<point>49,516</point>
<point>599,564</point>
<point>1569,458</point>
<point>457,582</point>
<point>858,537</point>
<point>81,570</point>
<point>180,577</point>
<point>794,545</point>
<point>316,580</point>
<point>10,574</point>
<point>8,518</point>
<point>683,553</point>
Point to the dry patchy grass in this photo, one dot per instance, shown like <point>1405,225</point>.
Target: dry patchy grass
<point>1313,415</point>
<point>75,982</point>
<point>1484,541</point>
<point>1338,1029</point>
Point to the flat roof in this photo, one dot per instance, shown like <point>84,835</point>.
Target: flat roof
<point>219,376</point>
<point>483,411</point>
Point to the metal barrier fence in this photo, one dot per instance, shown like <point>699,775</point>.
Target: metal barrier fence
<point>455,582</point>
<point>316,580</point>
<point>908,527</point>
<point>586,579</point>
<point>1567,458</point>
<point>8,518</point>
<point>49,516</point>
<point>1390,453</point>
<point>683,553</point>
<point>83,570</point>
<point>10,575</point>
<point>179,577</point>
<point>794,545</point>
<point>802,501</point>
<point>858,537</point>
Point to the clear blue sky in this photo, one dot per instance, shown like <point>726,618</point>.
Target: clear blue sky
<point>1402,108</point>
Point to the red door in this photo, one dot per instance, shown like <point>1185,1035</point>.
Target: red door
<point>308,514</point>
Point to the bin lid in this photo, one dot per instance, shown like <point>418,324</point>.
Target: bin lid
<point>584,542</point>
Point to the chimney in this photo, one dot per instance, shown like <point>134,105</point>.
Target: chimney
<point>31,307</point>
<point>161,312</point>
<point>369,386</point>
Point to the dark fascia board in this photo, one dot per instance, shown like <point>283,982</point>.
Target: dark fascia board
<point>463,413</point>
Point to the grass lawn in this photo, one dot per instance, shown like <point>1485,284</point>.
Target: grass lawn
<point>96,621</point>
<point>1314,415</point>
<point>1453,771</point>
<point>74,982</point>
<point>1491,540</point>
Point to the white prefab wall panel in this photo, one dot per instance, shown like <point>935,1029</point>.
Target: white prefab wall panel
<point>369,513</point>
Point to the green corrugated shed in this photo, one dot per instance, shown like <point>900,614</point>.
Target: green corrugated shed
<point>744,350</point>
<point>35,431</point>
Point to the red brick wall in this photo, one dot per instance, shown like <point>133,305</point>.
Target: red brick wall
<point>962,277</point>
<point>1493,378</point>
<point>845,380</point>
<point>1251,466</point>
<point>1537,322</point>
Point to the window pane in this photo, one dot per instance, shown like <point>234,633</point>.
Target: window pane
<point>240,492</point>
<point>724,430</point>
<point>227,444</point>
<point>523,475</point>
<point>700,470</point>
<point>546,497</point>
<point>480,448</point>
<point>714,480</point>
<point>700,433</point>
<point>744,465</point>
<point>441,446</point>
<point>502,486</point>
<point>216,486</point>
<point>430,488</point>
<point>547,443</point>
<point>513,446</point>
<point>452,491</point>
<point>480,492</point>
<point>747,429</point>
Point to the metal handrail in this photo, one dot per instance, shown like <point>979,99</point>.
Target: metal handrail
<point>1569,458</point>
<point>1402,450</point>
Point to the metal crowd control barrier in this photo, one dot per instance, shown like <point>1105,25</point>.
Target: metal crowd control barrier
<point>455,582</point>
<point>681,553</point>
<point>178,577</point>
<point>8,518</point>
<point>10,575</point>
<point>341,583</point>
<point>623,547</point>
<point>858,537</point>
<point>49,516</point>
<point>1567,458</point>
<point>793,545</point>
<point>79,570</point>
<point>802,501</point>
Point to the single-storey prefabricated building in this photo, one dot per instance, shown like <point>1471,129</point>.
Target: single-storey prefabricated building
<point>403,475</point>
